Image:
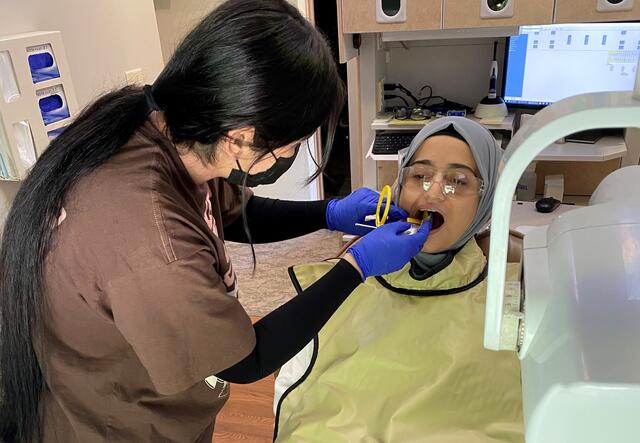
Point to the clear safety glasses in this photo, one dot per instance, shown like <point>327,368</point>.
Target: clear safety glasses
<point>454,182</point>
<point>406,113</point>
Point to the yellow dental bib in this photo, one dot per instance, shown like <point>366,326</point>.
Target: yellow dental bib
<point>393,367</point>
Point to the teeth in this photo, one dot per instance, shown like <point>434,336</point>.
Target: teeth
<point>424,213</point>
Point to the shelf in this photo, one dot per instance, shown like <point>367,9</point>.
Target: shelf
<point>59,124</point>
<point>49,83</point>
<point>524,213</point>
<point>386,123</point>
<point>441,34</point>
<point>380,158</point>
<point>607,148</point>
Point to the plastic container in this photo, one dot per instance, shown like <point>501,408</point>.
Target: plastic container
<point>7,171</point>
<point>24,144</point>
<point>55,132</point>
<point>53,104</point>
<point>8,83</point>
<point>554,186</point>
<point>42,63</point>
<point>526,190</point>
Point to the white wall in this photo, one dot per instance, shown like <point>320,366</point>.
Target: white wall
<point>175,18</point>
<point>456,69</point>
<point>102,40</point>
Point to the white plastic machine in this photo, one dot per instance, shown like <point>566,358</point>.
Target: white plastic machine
<point>575,320</point>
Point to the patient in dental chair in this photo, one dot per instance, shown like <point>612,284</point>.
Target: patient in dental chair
<point>402,360</point>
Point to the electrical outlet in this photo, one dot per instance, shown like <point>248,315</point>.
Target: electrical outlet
<point>134,77</point>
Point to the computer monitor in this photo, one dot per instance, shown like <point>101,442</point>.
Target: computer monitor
<point>547,63</point>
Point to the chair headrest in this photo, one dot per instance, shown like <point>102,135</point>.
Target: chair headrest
<point>514,252</point>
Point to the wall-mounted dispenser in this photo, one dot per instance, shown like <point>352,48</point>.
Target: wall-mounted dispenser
<point>391,11</point>
<point>37,99</point>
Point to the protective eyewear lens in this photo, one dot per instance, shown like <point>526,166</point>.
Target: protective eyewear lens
<point>453,182</point>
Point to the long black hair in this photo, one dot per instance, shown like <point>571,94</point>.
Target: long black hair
<point>249,63</point>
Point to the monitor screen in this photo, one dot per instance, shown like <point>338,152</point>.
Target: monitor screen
<point>547,63</point>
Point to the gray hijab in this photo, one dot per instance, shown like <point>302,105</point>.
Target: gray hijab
<point>488,157</point>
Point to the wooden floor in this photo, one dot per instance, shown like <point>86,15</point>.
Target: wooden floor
<point>248,415</point>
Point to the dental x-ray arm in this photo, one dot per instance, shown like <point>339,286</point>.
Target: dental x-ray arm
<point>574,114</point>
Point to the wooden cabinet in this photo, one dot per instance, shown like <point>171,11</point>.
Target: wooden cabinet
<point>480,13</point>
<point>346,51</point>
<point>359,16</point>
<point>574,11</point>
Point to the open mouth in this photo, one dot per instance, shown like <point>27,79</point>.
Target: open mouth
<point>437,219</point>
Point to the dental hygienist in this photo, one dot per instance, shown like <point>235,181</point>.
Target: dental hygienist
<point>119,314</point>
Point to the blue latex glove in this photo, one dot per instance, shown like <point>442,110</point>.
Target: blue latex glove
<point>387,249</point>
<point>342,215</point>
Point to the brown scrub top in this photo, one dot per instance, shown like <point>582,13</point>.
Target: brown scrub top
<point>141,306</point>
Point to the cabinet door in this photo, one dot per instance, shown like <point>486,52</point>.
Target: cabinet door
<point>346,51</point>
<point>493,13</point>
<point>571,11</point>
<point>360,16</point>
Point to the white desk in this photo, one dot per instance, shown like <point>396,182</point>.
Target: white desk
<point>382,123</point>
<point>525,214</point>
<point>607,148</point>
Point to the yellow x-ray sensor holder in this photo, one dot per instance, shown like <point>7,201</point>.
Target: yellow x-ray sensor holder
<point>415,221</point>
<point>385,194</point>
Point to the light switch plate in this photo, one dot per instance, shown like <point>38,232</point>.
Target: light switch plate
<point>134,77</point>
<point>487,12</point>
<point>608,6</point>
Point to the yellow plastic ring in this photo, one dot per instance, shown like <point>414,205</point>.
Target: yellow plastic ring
<point>386,192</point>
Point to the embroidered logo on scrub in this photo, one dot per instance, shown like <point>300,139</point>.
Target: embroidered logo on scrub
<point>214,382</point>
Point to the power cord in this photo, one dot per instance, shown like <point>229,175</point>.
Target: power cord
<point>405,91</point>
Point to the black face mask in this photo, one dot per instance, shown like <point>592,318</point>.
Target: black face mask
<point>268,177</point>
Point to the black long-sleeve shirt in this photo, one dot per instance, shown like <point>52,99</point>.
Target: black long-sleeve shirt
<point>273,220</point>
<point>281,334</point>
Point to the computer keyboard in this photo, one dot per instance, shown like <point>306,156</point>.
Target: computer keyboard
<point>389,143</point>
